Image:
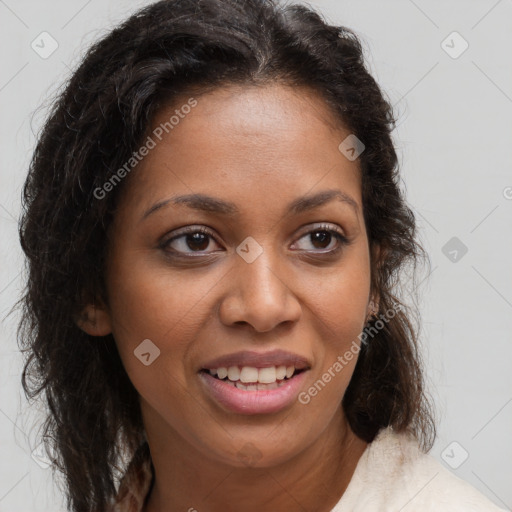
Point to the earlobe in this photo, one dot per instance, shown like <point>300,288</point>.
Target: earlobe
<point>95,321</point>
<point>373,309</point>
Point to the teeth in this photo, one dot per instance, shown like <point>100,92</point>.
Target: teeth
<point>272,385</point>
<point>249,374</point>
<point>252,375</point>
<point>233,373</point>
<point>257,387</point>
<point>267,375</point>
<point>222,373</point>
<point>281,372</point>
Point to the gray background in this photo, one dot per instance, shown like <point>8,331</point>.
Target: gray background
<point>454,141</point>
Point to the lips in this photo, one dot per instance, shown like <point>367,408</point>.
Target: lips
<point>254,382</point>
<point>241,399</point>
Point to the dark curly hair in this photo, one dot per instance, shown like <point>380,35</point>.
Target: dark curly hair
<point>170,48</point>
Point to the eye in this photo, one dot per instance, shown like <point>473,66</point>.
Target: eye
<point>192,239</point>
<point>325,239</point>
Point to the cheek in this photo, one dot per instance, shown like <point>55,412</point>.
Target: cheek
<point>148,301</point>
<point>339,309</point>
<point>340,302</point>
<point>323,395</point>
<point>148,304</point>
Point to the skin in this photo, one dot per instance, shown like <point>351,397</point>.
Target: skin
<point>261,148</point>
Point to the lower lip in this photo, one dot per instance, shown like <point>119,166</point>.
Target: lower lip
<point>253,402</point>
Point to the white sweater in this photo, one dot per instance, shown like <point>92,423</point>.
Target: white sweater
<point>393,475</point>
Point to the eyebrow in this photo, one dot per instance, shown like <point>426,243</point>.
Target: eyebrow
<point>205,203</point>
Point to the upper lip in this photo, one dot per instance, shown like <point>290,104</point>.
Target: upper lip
<point>258,360</point>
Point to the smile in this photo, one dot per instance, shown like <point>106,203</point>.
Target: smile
<point>250,390</point>
<point>250,374</point>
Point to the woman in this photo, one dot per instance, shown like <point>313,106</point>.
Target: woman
<point>215,236</point>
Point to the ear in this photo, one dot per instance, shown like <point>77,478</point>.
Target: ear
<point>95,320</point>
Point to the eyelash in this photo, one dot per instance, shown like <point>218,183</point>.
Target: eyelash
<point>342,239</point>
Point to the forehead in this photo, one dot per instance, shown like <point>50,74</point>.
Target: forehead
<point>255,110</point>
<point>245,141</point>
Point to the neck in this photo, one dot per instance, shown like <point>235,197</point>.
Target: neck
<point>314,479</point>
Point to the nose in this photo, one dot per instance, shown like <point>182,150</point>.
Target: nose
<point>259,294</point>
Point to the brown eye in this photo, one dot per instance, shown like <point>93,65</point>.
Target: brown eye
<point>321,239</point>
<point>324,239</point>
<point>190,240</point>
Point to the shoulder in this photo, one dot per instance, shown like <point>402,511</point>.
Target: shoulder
<point>394,474</point>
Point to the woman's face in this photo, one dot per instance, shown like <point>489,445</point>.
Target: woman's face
<point>240,267</point>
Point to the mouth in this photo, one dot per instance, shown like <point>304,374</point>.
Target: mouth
<point>250,378</point>
<point>250,390</point>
